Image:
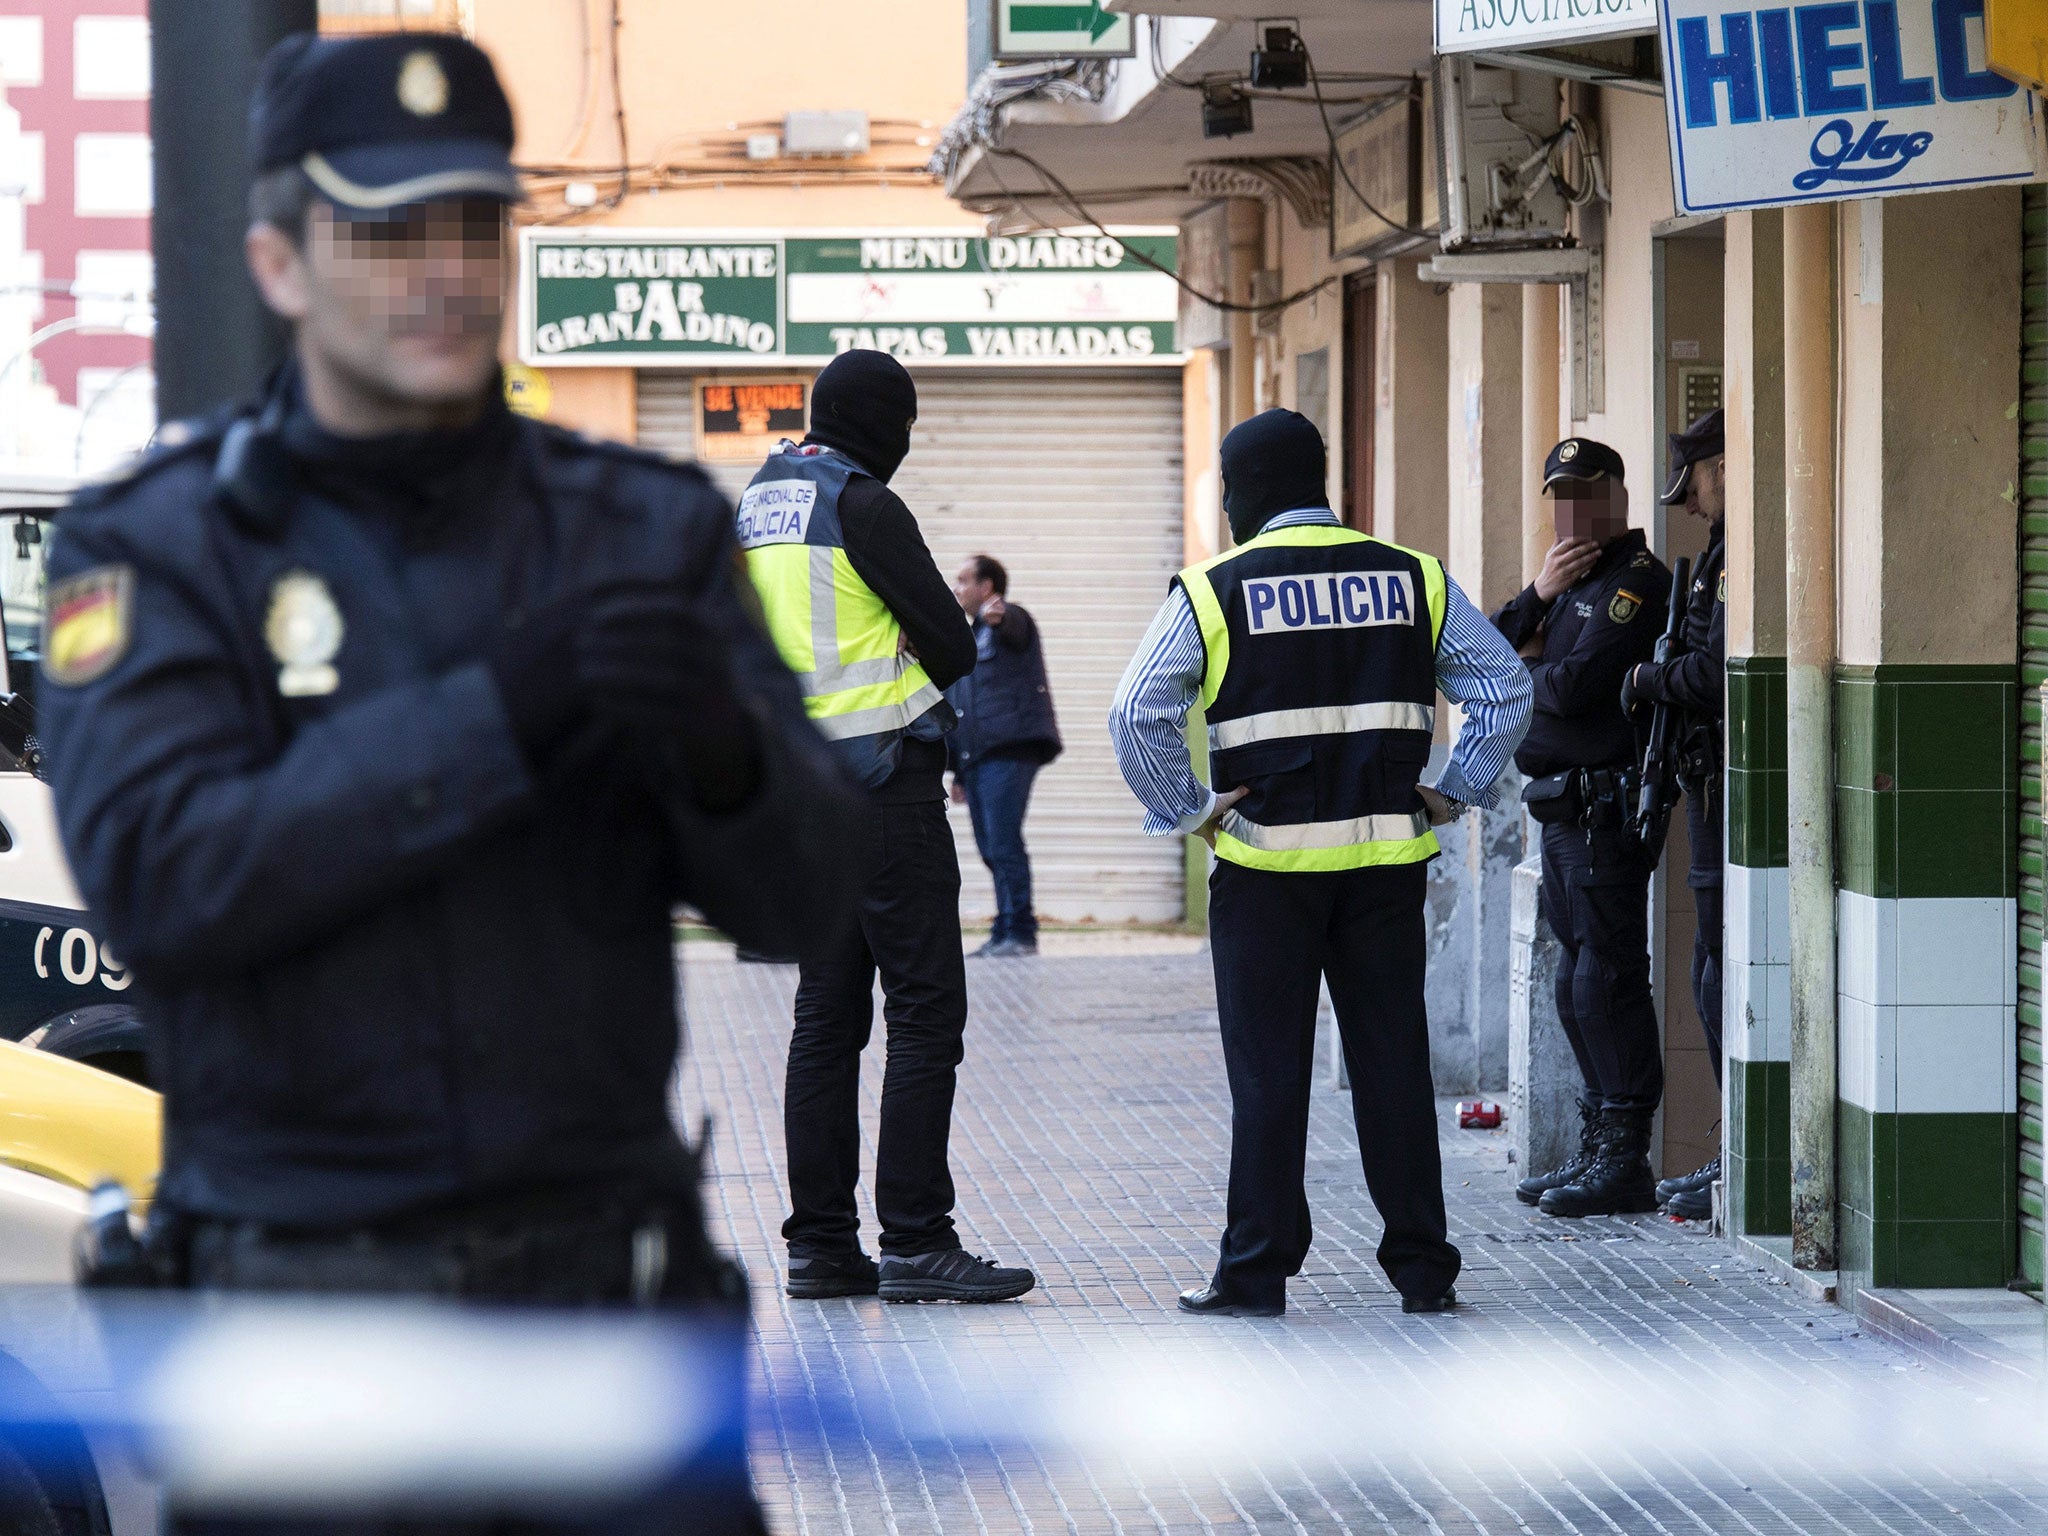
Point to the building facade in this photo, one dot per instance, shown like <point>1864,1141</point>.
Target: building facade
<point>1460,294</point>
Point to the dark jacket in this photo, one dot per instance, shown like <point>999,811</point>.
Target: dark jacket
<point>385,965</point>
<point>1697,680</point>
<point>1005,704</point>
<point>885,546</point>
<point>1592,634</point>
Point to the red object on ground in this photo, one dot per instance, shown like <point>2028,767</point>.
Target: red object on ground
<point>1478,1115</point>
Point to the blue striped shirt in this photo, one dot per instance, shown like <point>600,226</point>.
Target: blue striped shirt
<point>1475,668</point>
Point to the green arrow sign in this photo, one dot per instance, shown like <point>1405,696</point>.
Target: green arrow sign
<point>1038,29</point>
<point>1090,18</point>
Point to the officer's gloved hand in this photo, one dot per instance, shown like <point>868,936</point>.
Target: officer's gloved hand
<point>650,664</point>
<point>1629,697</point>
<point>534,665</point>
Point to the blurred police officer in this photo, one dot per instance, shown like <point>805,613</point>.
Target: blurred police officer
<point>1592,613</point>
<point>862,615</point>
<point>1695,682</point>
<point>387,730</point>
<point>1317,653</point>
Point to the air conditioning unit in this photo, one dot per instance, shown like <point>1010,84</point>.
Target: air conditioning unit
<point>1495,128</point>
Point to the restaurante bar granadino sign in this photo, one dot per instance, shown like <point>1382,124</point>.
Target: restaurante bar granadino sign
<point>644,298</point>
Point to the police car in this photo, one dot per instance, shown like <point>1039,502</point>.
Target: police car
<point>62,989</point>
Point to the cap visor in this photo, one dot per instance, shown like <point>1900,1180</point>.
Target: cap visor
<point>373,177</point>
<point>1570,474</point>
<point>1674,493</point>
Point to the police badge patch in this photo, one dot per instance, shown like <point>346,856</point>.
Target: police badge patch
<point>86,624</point>
<point>1624,606</point>
<point>303,630</point>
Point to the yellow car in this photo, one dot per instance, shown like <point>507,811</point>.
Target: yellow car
<point>64,1127</point>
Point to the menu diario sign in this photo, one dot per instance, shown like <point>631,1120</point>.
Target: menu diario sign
<point>627,298</point>
<point>1816,103</point>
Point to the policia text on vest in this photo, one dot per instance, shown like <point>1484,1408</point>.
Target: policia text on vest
<point>1320,693</point>
<point>862,688</point>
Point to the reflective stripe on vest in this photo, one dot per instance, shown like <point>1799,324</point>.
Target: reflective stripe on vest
<point>829,627</point>
<point>1351,843</point>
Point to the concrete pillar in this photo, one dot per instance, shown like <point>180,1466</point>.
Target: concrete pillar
<point>1539,418</point>
<point>1485,459</point>
<point>1410,496</point>
<point>1756,1114</point>
<point>1543,1076</point>
<point>1247,229</point>
<point>1471,902</point>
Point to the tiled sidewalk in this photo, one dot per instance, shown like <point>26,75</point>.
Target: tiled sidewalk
<point>1090,1142</point>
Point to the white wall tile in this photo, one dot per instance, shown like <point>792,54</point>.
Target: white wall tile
<point>1866,948</point>
<point>1777,926</point>
<point>1955,950</point>
<point>1737,1022</point>
<point>1741,928</point>
<point>1954,1060</point>
<point>1866,1052</point>
<point>1778,1012</point>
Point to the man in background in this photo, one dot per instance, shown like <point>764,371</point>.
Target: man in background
<point>1007,732</point>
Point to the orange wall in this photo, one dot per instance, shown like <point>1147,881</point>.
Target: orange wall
<point>696,77</point>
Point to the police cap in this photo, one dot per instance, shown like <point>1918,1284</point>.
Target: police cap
<point>1702,440</point>
<point>379,122</point>
<point>1581,458</point>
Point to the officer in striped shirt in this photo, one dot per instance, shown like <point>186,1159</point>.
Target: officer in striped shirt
<point>1317,654</point>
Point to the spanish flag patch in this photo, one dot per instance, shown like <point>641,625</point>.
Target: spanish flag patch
<point>1624,606</point>
<point>85,629</point>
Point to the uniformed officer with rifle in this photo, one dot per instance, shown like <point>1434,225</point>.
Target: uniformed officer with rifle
<point>1592,613</point>
<point>1686,691</point>
<point>387,729</point>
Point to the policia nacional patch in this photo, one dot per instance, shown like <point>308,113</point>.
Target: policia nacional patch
<point>1624,606</point>
<point>86,629</point>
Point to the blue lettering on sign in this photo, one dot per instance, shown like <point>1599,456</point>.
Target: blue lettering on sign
<point>775,512</point>
<point>1785,63</point>
<point>1838,155</point>
<point>1347,600</point>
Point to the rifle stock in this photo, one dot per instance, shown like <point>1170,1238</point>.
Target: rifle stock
<point>1659,791</point>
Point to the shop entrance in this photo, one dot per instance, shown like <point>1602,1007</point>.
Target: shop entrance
<point>1687,273</point>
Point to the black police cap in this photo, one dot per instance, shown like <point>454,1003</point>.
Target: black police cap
<point>1582,458</point>
<point>379,122</point>
<point>1702,440</point>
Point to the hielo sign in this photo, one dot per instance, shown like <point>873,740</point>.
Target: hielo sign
<point>1813,103</point>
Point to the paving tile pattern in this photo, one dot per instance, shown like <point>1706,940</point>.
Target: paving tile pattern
<point>1090,1142</point>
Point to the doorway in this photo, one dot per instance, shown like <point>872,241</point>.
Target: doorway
<point>1687,272</point>
<point>1361,374</point>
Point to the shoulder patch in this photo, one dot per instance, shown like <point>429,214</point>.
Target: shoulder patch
<point>1623,606</point>
<point>86,630</point>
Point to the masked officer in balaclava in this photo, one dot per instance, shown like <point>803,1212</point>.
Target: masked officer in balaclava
<point>1317,653</point>
<point>861,614</point>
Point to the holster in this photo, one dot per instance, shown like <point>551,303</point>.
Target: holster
<point>1558,798</point>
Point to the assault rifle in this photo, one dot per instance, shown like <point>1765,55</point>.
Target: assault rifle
<point>1659,790</point>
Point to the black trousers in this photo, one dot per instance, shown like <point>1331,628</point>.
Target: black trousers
<point>909,932</point>
<point>1703,827</point>
<point>1273,938</point>
<point>1596,895</point>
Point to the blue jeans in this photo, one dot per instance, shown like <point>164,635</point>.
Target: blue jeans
<point>998,791</point>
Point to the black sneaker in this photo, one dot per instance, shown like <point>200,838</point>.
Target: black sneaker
<point>815,1279</point>
<point>951,1274</point>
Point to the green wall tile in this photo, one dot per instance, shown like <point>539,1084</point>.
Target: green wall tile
<point>1953,735</point>
<point>1949,1253</point>
<point>1756,713</point>
<point>1957,843</point>
<point>1956,1167</point>
<point>1865,842</point>
<point>1759,1172</point>
<point>1863,743</point>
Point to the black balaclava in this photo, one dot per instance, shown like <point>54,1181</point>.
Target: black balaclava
<point>1272,463</point>
<point>863,405</point>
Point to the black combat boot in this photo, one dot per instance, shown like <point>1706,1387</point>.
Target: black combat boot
<point>1620,1180</point>
<point>1689,1183</point>
<point>1533,1188</point>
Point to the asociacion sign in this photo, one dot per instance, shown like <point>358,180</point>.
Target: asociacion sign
<point>1469,26</point>
<point>641,298</point>
<point>1815,103</point>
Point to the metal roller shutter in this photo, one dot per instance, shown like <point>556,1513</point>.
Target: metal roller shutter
<point>2033,672</point>
<point>1072,480</point>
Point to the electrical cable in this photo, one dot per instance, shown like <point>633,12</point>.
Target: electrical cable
<point>1066,195</point>
<point>619,112</point>
<point>1337,160</point>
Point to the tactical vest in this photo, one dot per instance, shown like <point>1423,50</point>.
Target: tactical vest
<point>1320,692</point>
<point>861,688</point>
